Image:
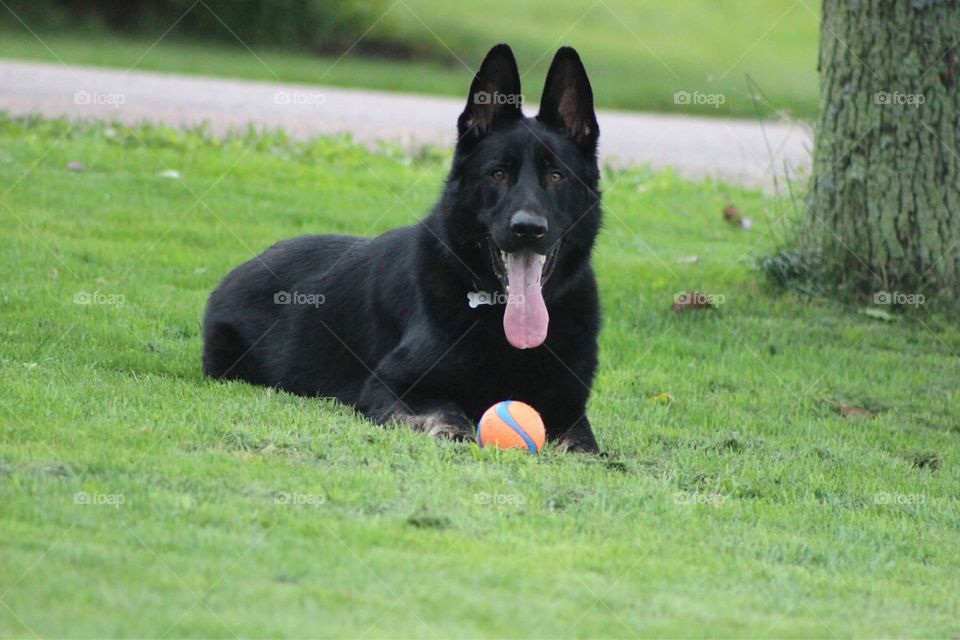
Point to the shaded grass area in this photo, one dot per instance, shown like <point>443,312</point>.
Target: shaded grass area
<point>140,499</point>
<point>639,54</point>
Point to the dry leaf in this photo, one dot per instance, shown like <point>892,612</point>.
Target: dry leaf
<point>879,314</point>
<point>660,398</point>
<point>732,215</point>
<point>850,411</point>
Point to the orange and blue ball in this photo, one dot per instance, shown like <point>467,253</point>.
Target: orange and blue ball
<point>511,424</point>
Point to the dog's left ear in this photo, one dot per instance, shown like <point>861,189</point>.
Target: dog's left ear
<point>567,101</point>
<point>494,95</point>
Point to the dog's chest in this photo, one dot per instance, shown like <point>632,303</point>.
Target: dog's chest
<point>493,369</point>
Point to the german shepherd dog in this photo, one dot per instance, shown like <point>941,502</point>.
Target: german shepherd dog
<point>491,297</point>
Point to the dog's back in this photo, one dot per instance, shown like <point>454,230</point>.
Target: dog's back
<point>248,324</point>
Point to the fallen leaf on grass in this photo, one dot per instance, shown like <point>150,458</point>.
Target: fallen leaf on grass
<point>879,314</point>
<point>850,411</point>
<point>428,521</point>
<point>660,398</point>
<point>732,215</point>
<point>926,460</point>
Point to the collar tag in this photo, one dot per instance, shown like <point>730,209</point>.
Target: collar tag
<point>477,298</point>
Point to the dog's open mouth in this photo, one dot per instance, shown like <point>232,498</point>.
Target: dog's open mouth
<point>523,274</point>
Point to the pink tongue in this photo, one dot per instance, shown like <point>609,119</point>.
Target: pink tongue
<point>525,319</point>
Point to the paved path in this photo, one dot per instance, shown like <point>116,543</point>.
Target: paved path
<point>741,151</point>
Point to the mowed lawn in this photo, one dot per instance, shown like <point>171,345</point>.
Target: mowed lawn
<point>139,499</point>
<point>640,53</point>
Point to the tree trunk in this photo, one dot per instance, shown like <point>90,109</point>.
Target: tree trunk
<point>884,200</point>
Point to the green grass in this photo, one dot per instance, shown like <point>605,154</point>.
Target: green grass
<point>639,53</point>
<point>745,507</point>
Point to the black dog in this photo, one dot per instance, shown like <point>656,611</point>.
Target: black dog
<point>491,297</point>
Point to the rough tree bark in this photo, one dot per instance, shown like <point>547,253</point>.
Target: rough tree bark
<point>884,199</point>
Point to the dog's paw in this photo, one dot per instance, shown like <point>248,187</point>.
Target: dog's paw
<point>573,444</point>
<point>444,423</point>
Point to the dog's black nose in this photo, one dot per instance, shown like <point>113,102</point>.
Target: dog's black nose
<point>524,224</point>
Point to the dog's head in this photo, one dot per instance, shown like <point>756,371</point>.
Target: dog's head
<point>522,197</point>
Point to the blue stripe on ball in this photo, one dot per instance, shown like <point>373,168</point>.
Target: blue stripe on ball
<point>503,410</point>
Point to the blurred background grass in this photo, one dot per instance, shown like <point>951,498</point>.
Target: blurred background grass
<point>640,53</point>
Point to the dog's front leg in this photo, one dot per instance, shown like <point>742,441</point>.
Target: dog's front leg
<point>387,397</point>
<point>564,411</point>
<point>579,438</point>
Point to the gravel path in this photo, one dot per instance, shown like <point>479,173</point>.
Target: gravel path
<point>745,152</point>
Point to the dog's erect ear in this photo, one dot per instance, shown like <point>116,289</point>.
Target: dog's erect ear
<point>567,101</point>
<point>494,95</point>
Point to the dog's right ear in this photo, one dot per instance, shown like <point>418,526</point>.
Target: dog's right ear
<point>494,96</point>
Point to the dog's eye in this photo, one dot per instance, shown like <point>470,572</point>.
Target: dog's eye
<point>498,175</point>
<point>556,176</point>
